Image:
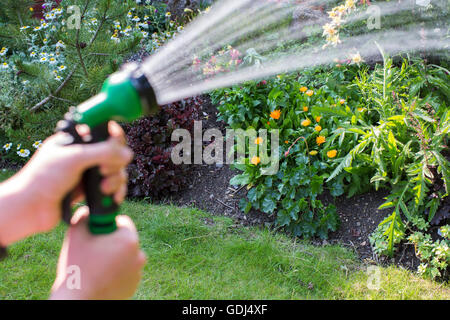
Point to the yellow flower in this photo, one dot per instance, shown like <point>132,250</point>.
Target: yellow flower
<point>305,108</point>
<point>318,128</point>
<point>303,89</point>
<point>329,30</point>
<point>309,93</point>
<point>313,153</point>
<point>31,9</point>
<point>320,140</point>
<point>258,140</point>
<point>275,114</point>
<point>332,153</point>
<point>342,101</point>
<point>360,109</point>
<point>318,118</point>
<point>306,122</point>
<point>255,160</point>
<point>350,4</point>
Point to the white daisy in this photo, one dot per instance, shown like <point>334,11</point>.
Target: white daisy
<point>24,153</point>
<point>7,146</point>
<point>60,45</point>
<point>37,144</point>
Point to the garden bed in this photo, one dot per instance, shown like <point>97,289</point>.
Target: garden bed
<point>209,189</point>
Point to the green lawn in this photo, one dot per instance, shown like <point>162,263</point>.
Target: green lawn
<point>193,255</point>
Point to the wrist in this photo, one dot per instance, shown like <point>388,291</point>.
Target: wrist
<point>16,215</point>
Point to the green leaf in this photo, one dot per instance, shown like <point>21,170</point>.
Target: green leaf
<point>269,205</point>
<point>240,180</point>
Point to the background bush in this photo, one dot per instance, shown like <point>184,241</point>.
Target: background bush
<point>152,172</point>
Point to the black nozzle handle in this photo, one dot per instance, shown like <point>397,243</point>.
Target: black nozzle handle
<point>102,207</point>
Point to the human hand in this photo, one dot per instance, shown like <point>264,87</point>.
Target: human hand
<point>31,200</point>
<point>109,266</point>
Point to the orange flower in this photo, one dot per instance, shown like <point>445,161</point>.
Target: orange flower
<point>318,128</point>
<point>309,93</point>
<point>314,152</point>
<point>360,109</point>
<point>258,140</point>
<point>305,108</point>
<point>303,89</point>
<point>332,153</point>
<point>286,142</point>
<point>342,101</point>
<point>255,160</point>
<point>306,122</point>
<point>318,118</point>
<point>275,114</point>
<point>320,140</point>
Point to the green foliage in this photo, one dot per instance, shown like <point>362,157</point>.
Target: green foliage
<point>53,59</point>
<point>435,255</point>
<point>389,127</point>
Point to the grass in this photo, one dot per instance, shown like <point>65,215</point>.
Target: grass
<point>193,255</point>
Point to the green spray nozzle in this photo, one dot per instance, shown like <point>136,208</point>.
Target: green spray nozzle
<point>125,96</point>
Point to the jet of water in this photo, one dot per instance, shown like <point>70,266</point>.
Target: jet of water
<point>209,54</point>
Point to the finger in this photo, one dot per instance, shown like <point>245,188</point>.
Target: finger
<point>83,130</point>
<point>120,195</point>
<point>109,155</point>
<point>125,223</point>
<point>116,132</point>
<point>113,168</point>
<point>113,183</point>
<point>80,216</point>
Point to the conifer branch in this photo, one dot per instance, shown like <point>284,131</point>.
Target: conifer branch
<point>52,96</point>
<point>77,41</point>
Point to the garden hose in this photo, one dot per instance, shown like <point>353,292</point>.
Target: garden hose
<point>125,96</point>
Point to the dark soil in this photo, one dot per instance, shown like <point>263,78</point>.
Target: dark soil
<point>209,189</point>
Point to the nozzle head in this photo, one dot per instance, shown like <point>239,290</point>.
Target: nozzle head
<point>125,96</point>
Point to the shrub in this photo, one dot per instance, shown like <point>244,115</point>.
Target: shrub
<point>152,172</point>
<point>286,104</point>
<point>380,128</point>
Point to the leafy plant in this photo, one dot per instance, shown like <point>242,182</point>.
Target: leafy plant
<point>152,172</point>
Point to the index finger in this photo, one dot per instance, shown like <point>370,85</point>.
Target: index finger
<point>116,132</point>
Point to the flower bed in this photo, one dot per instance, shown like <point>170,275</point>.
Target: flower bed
<point>346,129</point>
